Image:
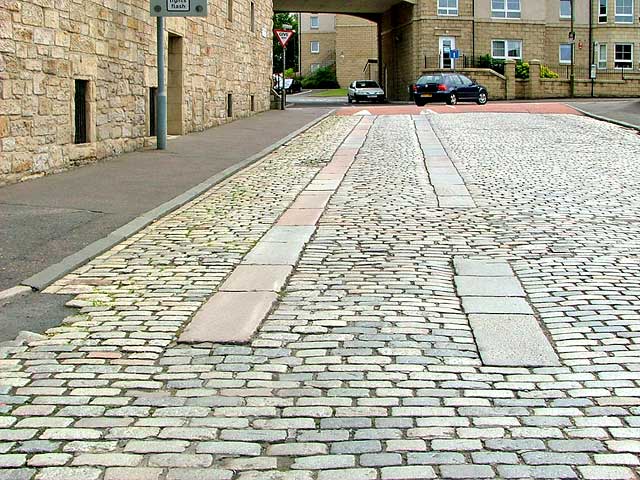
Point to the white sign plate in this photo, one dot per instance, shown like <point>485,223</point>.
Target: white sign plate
<point>178,8</point>
<point>178,5</point>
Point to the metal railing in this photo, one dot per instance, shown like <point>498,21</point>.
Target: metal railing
<point>465,61</point>
<point>584,73</point>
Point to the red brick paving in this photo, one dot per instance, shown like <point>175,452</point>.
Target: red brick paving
<point>536,108</point>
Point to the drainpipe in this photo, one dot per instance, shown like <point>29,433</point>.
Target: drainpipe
<point>592,52</point>
<point>379,44</point>
<point>299,39</point>
<point>473,32</point>
<point>572,77</point>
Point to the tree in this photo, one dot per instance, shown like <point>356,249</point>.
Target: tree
<point>280,19</point>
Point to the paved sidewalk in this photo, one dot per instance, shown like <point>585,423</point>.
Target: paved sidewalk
<point>377,361</point>
<point>44,220</point>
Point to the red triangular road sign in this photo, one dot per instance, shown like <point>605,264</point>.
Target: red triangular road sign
<point>284,36</point>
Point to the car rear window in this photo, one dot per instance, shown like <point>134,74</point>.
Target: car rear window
<point>367,84</point>
<point>426,79</point>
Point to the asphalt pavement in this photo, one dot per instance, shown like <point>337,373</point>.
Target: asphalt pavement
<point>626,110</point>
<point>44,220</point>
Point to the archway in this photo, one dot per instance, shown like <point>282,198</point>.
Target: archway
<point>395,33</point>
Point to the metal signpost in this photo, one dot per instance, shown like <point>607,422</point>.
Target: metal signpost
<point>283,36</point>
<point>161,9</point>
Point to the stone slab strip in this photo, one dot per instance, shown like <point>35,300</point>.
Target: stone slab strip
<point>445,178</point>
<point>244,300</point>
<point>229,317</point>
<point>505,327</point>
<point>46,277</point>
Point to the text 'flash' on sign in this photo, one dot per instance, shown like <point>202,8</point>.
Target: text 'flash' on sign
<point>178,5</point>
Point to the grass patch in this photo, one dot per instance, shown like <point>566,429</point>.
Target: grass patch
<point>334,92</point>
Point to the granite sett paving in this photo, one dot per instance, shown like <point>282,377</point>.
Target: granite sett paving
<point>367,364</point>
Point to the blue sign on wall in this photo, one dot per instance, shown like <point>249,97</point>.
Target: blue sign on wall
<point>455,53</point>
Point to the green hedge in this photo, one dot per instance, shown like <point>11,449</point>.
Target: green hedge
<point>324,77</point>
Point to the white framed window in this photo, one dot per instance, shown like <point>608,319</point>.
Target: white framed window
<point>624,11</point>
<point>623,57</point>
<point>602,55</point>
<point>505,8</point>
<point>505,49</point>
<point>315,46</point>
<point>565,53</point>
<point>602,11</point>
<point>315,66</point>
<point>565,8</point>
<point>314,22</point>
<point>448,7</point>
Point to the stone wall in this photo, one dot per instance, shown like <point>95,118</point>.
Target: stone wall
<point>504,87</point>
<point>45,46</point>
<point>356,42</point>
<point>400,57</point>
<point>495,83</point>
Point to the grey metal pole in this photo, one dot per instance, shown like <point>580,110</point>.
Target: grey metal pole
<point>572,77</point>
<point>284,67</point>
<point>161,101</point>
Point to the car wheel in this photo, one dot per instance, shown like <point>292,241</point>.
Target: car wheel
<point>420,102</point>
<point>483,98</point>
<point>452,99</point>
<point>349,99</point>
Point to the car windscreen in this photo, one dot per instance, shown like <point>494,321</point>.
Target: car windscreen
<point>427,79</point>
<point>367,85</point>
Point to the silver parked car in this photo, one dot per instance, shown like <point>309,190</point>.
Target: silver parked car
<point>365,90</point>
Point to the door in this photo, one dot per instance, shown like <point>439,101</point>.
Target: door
<point>446,45</point>
<point>467,89</point>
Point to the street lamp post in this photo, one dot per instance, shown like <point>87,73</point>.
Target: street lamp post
<point>283,92</point>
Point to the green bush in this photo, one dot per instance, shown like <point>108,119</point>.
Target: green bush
<point>522,70</point>
<point>546,72</point>
<point>324,77</point>
<point>487,61</point>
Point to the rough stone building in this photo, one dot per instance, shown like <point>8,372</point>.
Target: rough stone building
<point>419,35</point>
<point>344,40</point>
<point>78,77</point>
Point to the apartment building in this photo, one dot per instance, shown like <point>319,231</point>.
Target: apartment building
<point>349,42</point>
<point>317,41</point>
<point>607,34</point>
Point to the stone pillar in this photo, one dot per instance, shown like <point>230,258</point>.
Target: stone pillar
<point>535,87</point>
<point>510,75</point>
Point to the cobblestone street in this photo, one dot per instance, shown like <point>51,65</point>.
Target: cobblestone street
<point>373,364</point>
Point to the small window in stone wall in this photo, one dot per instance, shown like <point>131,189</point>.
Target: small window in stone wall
<point>152,111</point>
<point>229,105</point>
<point>252,102</point>
<point>252,17</point>
<point>230,10</point>
<point>81,111</point>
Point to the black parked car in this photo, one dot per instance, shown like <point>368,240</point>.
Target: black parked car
<point>449,87</point>
<point>292,85</point>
